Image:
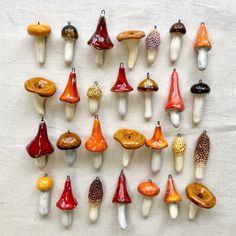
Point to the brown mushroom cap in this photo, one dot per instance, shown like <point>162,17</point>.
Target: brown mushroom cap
<point>147,85</point>
<point>131,34</point>
<point>200,195</point>
<point>129,138</point>
<point>41,86</point>
<point>178,27</point>
<point>95,193</point>
<point>39,30</point>
<point>69,140</point>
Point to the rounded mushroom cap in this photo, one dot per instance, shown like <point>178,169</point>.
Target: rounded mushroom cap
<point>41,86</point>
<point>95,193</point>
<point>148,188</point>
<point>200,195</point>
<point>39,30</point>
<point>179,146</point>
<point>69,32</point>
<point>202,38</point>
<point>131,34</point>
<point>68,140</point>
<point>44,183</point>
<point>178,27</point>
<point>153,39</point>
<point>200,88</point>
<point>147,85</point>
<point>129,138</point>
<point>94,91</point>
<point>171,195</point>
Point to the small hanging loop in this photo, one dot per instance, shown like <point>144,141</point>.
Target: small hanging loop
<point>96,116</point>
<point>169,176</point>
<point>178,135</point>
<point>155,26</point>
<point>103,13</point>
<point>97,178</point>
<point>121,65</point>
<point>158,123</point>
<point>68,177</point>
<point>73,69</point>
<point>45,175</point>
<point>69,23</point>
<point>95,83</point>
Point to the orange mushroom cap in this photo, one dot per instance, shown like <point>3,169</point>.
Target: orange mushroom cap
<point>202,38</point>
<point>44,183</point>
<point>39,30</point>
<point>148,188</point>
<point>96,141</point>
<point>70,93</point>
<point>158,140</point>
<point>171,195</point>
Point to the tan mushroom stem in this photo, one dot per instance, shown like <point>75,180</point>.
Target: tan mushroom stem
<point>70,110</point>
<point>175,46</point>
<point>202,58</point>
<point>173,210</point>
<point>39,104</point>
<point>97,160</point>
<point>44,202</point>
<point>193,210</point>
<point>175,118</point>
<point>146,206</point>
<point>66,218</point>
<point>93,106</point>
<point>122,103</point>
<point>148,105</point>
<point>99,55</point>
<point>69,50</point>
<point>121,215</point>
<point>70,156</point>
<point>41,162</point>
<point>156,161</point>
<point>127,156</point>
<point>40,48</point>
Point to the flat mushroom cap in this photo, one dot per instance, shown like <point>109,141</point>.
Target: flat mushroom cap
<point>147,85</point>
<point>200,195</point>
<point>148,188</point>
<point>129,138</point>
<point>39,30</point>
<point>94,91</point>
<point>68,140</point>
<point>202,38</point>
<point>178,27</point>
<point>69,32</point>
<point>131,34</point>
<point>171,195</point>
<point>44,183</point>
<point>200,88</point>
<point>41,86</point>
<point>95,193</point>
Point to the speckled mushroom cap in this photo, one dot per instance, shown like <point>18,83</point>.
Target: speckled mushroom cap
<point>200,88</point>
<point>94,91</point>
<point>153,39</point>
<point>41,86</point>
<point>200,195</point>
<point>178,27</point>
<point>202,39</point>
<point>39,30</point>
<point>68,140</point>
<point>147,85</point>
<point>95,193</point>
<point>179,146</point>
<point>130,34</point>
<point>69,32</point>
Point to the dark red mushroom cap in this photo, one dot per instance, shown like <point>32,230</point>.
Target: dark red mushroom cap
<point>121,85</point>
<point>67,200</point>
<point>100,39</point>
<point>200,88</point>
<point>40,145</point>
<point>121,195</point>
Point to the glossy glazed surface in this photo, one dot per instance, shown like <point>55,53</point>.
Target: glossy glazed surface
<point>179,146</point>
<point>69,32</point>
<point>68,140</point>
<point>147,85</point>
<point>148,188</point>
<point>178,27</point>
<point>95,193</point>
<point>200,88</point>
<point>202,38</point>
<point>40,30</point>
<point>171,194</point>
<point>44,183</point>
<point>94,91</point>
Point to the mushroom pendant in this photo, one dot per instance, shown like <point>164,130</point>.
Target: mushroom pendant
<point>94,94</point>
<point>70,96</point>
<point>100,40</point>
<point>96,143</point>
<point>44,185</point>
<point>67,203</point>
<point>40,147</point>
<point>121,198</point>
<point>175,103</point>
<point>40,32</point>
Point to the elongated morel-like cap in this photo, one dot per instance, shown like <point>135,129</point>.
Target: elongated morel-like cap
<point>153,39</point>
<point>178,27</point>
<point>179,146</point>
<point>44,183</point>
<point>175,101</point>
<point>121,194</point>
<point>67,200</point>
<point>39,30</point>
<point>100,39</point>
<point>70,93</point>
<point>68,140</point>
<point>95,193</point>
<point>69,32</point>
<point>40,145</point>
<point>171,194</point>
<point>148,188</point>
<point>202,38</point>
<point>147,85</point>
<point>96,142</point>
<point>200,88</point>
<point>121,85</point>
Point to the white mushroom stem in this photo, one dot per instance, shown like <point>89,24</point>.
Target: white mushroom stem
<point>121,215</point>
<point>148,105</point>
<point>173,210</point>
<point>40,48</point>
<point>193,210</point>
<point>70,110</point>
<point>41,162</point>
<point>93,106</point>
<point>39,104</point>
<point>70,156</point>
<point>44,203</point>
<point>151,56</point>
<point>175,47</point>
<point>122,103</point>
<point>99,56</point>
<point>202,58</point>
<point>146,206</point>
<point>127,156</point>
<point>69,51</point>
<point>198,108</point>
<point>199,172</point>
<point>156,161</point>
<point>133,47</point>
<point>93,214</point>
<point>175,118</point>
<point>98,159</point>
<point>179,163</point>
<point>66,218</point>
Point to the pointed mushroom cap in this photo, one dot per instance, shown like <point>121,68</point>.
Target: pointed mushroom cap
<point>148,188</point>
<point>96,142</point>
<point>95,193</point>
<point>94,91</point>
<point>153,39</point>
<point>68,140</point>
<point>69,32</point>
<point>121,194</point>
<point>130,34</point>
<point>39,30</point>
<point>147,85</point>
<point>70,93</point>
<point>67,200</point>
<point>179,146</point>
<point>178,27</point>
<point>41,86</point>
<point>157,141</point>
<point>202,38</point>
<point>44,183</point>
<point>200,195</point>
<point>171,195</point>
<point>200,88</point>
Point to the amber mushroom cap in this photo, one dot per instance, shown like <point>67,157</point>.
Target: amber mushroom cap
<point>68,140</point>
<point>202,39</point>
<point>148,188</point>
<point>44,183</point>
<point>130,34</point>
<point>39,30</point>
<point>147,85</point>
<point>171,195</point>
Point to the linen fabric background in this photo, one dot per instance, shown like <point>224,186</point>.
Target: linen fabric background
<point>19,121</point>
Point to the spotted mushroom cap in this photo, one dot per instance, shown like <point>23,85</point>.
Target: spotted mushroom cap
<point>179,146</point>
<point>95,193</point>
<point>153,40</point>
<point>94,91</point>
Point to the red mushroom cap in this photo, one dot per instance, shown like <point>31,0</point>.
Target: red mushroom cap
<point>40,145</point>
<point>100,39</point>
<point>121,85</point>
<point>175,101</point>
<point>121,195</point>
<point>67,200</point>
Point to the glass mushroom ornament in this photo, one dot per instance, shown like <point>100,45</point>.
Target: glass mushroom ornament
<point>96,143</point>
<point>94,94</point>
<point>175,103</point>
<point>69,142</point>
<point>40,147</point>
<point>70,96</point>
<point>70,34</point>
<point>130,140</point>
<point>100,40</point>
<point>41,89</point>
<point>131,38</point>
<point>149,190</point>
<point>40,33</point>
<point>121,199</point>
<point>44,185</point>
<point>199,197</point>
<point>172,198</point>
<point>66,204</point>
<point>202,45</point>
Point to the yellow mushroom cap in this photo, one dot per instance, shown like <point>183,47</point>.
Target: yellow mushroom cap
<point>94,91</point>
<point>44,183</point>
<point>39,30</point>
<point>179,146</point>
